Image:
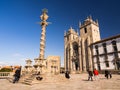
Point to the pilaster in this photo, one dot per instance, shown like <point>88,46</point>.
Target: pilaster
<point>89,54</point>
<point>83,55</point>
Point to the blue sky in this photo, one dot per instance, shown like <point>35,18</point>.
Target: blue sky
<point>20,33</point>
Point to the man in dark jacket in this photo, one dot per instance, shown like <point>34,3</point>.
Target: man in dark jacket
<point>90,73</point>
<point>107,74</point>
<point>17,75</point>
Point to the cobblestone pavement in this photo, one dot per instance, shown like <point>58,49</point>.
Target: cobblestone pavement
<point>76,82</point>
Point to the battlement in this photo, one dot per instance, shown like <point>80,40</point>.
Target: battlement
<point>88,21</point>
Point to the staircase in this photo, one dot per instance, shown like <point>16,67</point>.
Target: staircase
<point>27,79</point>
<point>47,78</point>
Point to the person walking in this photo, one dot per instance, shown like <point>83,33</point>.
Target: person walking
<point>96,73</point>
<point>90,75</point>
<point>110,74</point>
<point>106,73</point>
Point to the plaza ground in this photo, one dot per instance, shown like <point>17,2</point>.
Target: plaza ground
<point>76,82</point>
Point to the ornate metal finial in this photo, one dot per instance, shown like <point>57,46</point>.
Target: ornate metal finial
<point>44,10</point>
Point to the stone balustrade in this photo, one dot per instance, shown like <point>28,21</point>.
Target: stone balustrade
<point>5,75</point>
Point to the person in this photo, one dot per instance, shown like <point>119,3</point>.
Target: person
<point>17,75</point>
<point>90,75</point>
<point>67,75</point>
<point>108,74</point>
<point>96,73</point>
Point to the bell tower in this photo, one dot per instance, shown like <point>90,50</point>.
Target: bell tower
<point>89,33</point>
<point>90,28</point>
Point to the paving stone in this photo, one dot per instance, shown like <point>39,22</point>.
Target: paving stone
<point>59,82</point>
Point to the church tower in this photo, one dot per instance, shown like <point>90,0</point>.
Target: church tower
<point>77,50</point>
<point>71,49</point>
<point>89,33</point>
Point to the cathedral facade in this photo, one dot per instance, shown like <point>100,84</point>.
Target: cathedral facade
<point>79,49</point>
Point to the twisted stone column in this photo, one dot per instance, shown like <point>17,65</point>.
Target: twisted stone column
<point>43,23</point>
<point>42,42</point>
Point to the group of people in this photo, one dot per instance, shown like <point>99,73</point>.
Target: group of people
<point>96,73</point>
<point>90,75</point>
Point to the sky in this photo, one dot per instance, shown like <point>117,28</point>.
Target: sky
<point>20,31</point>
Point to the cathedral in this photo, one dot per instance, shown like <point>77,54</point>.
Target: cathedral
<point>82,52</point>
<point>88,51</point>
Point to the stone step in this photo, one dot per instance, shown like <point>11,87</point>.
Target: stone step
<point>47,78</point>
<point>27,83</point>
<point>28,80</point>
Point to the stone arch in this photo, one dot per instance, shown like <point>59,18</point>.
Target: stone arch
<point>75,57</point>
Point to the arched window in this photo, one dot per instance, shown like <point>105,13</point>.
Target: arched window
<point>85,29</point>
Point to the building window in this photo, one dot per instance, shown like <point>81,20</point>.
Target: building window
<point>96,47</point>
<point>107,63</point>
<point>85,29</point>
<point>116,60</point>
<point>114,46</point>
<point>98,61</point>
<point>104,47</point>
<point>106,57</point>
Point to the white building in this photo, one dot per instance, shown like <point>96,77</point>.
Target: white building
<point>106,53</point>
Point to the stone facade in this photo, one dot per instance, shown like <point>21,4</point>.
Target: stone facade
<point>88,51</point>
<point>77,52</point>
<point>50,65</point>
<point>53,64</point>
